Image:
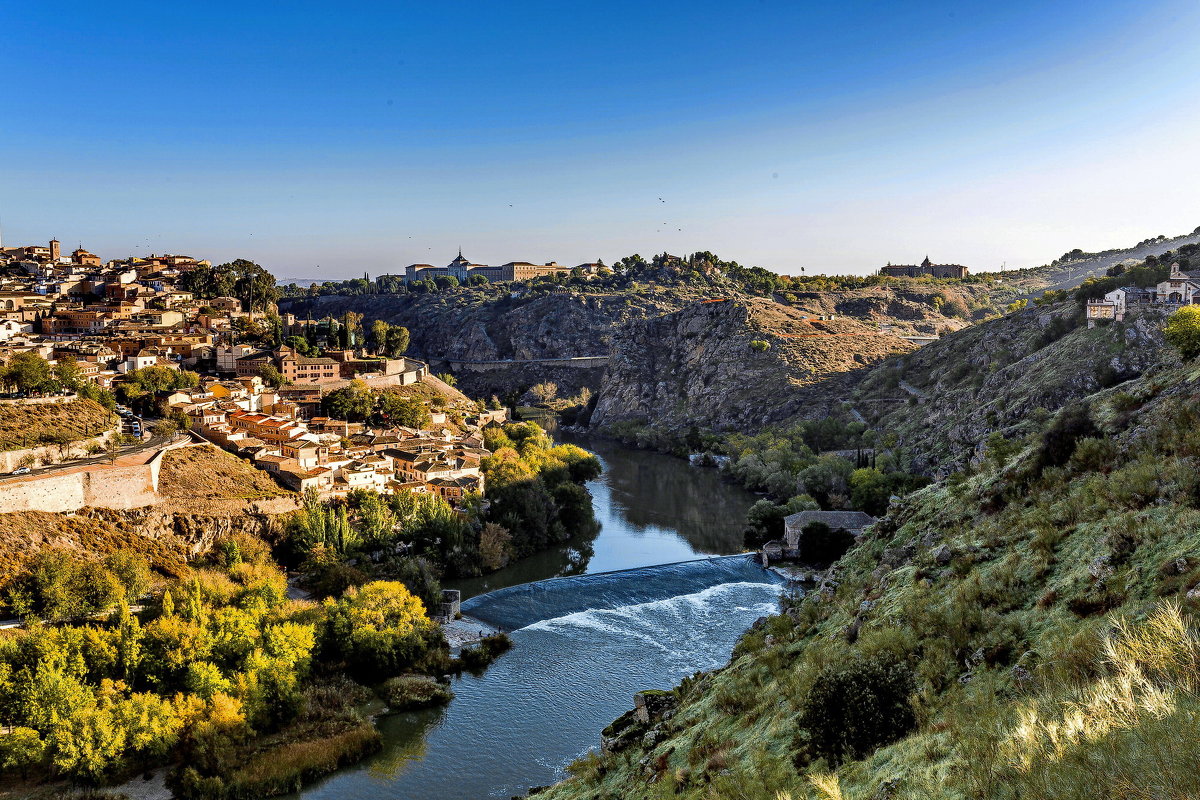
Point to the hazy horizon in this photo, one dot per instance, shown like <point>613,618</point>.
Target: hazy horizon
<point>325,145</point>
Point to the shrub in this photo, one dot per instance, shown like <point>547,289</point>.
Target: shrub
<point>855,707</point>
<point>1182,331</point>
<point>760,346</point>
<point>488,650</point>
<point>1059,440</point>
<point>408,692</point>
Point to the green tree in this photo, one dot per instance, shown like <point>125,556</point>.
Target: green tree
<point>354,402</point>
<point>272,376</point>
<point>21,749</point>
<point>1182,332</point>
<point>27,372</point>
<point>396,409</point>
<point>68,374</point>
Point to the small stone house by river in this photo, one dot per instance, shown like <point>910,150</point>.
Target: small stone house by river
<point>852,522</point>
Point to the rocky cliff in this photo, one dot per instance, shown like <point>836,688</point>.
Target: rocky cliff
<point>706,365</point>
<point>489,324</point>
<point>1006,375</point>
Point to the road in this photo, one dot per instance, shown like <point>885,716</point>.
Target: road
<point>139,447</point>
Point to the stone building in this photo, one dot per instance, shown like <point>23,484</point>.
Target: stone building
<point>926,267</point>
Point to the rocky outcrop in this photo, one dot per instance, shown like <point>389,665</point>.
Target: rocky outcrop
<point>943,401</point>
<point>168,535</point>
<point>706,365</point>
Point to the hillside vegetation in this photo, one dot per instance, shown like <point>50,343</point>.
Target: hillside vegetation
<point>943,401</point>
<point>25,425</point>
<point>206,472</point>
<point>1023,629</point>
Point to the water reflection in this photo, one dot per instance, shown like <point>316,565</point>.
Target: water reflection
<point>651,509</point>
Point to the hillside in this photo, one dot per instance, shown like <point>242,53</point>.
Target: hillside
<point>27,425</point>
<point>1073,268</point>
<point>1025,630</point>
<point>489,324</point>
<point>1007,375</point>
<point>735,364</point>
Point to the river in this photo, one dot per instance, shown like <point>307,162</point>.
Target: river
<point>621,615</point>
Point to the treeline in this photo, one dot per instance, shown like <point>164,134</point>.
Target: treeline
<point>202,670</point>
<point>358,402</point>
<point>29,373</point>
<point>699,269</point>
<point>240,278</point>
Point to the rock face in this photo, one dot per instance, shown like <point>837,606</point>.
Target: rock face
<point>698,366</point>
<point>944,400</point>
<point>488,324</point>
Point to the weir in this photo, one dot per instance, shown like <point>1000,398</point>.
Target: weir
<point>516,607</point>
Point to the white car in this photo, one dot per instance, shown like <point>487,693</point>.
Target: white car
<point>21,471</point>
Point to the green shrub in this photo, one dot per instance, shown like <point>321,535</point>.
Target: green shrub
<point>760,346</point>
<point>856,707</point>
<point>407,692</point>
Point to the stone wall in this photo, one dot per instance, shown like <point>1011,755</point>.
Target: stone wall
<point>118,488</point>
<point>49,454</point>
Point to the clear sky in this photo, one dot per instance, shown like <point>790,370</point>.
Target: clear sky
<point>325,139</point>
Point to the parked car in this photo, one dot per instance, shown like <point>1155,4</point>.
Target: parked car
<point>21,471</point>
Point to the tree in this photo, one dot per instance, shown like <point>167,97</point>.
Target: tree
<point>1182,332</point>
<point>351,328</point>
<point>447,378</point>
<point>272,376</point>
<point>397,341</point>
<point>21,749</point>
<point>544,392</point>
<point>353,403</point>
<point>1016,305</point>
<point>495,546</point>
<point>379,333</point>
<point>27,372</point>
<point>476,279</point>
<point>396,409</point>
<point>68,374</point>
<point>378,630</point>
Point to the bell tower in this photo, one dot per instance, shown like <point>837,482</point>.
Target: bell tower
<point>55,249</point>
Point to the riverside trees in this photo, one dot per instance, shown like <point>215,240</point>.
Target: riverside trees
<point>213,660</point>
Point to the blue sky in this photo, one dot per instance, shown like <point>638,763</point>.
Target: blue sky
<point>325,142</point>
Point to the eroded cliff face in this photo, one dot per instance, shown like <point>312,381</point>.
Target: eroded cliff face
<point>488,324</point>
<point>169,535</point>
<point>698,366</point>
<point>944,401</point>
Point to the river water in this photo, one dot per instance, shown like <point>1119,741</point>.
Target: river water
<point>619,615</point>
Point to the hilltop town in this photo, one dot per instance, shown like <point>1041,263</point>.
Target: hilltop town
<point>173,344</point>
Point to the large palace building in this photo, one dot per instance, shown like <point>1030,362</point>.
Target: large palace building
<point>462,269</point>
<point>924,268</point>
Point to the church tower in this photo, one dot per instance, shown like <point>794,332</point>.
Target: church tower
<point>55,249</point>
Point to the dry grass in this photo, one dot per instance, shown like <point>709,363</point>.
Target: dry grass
<point>288,765</point>
<point>25,534</point>
<point>23,426</point>
<point>206,472</point>
<point>1130,733</point>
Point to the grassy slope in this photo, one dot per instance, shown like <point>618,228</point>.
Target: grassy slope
<point>1004,631</point>
<point>23,425</point>
<point>206,472</point>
